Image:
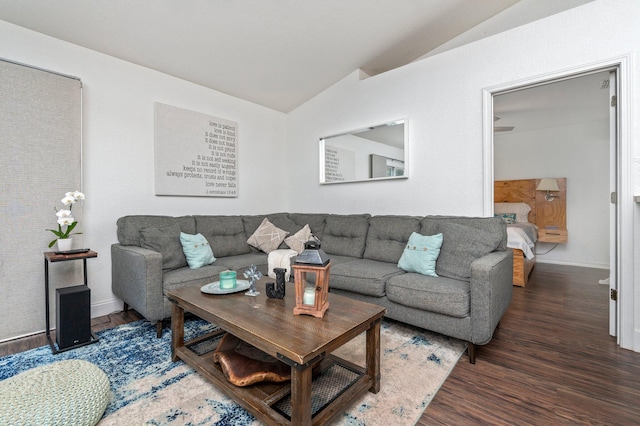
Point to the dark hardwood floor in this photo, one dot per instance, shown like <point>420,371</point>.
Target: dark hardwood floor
<point>551,362</point>
<point>97,324</point>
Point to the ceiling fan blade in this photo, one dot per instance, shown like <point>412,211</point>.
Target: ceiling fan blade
<point>503,128</point>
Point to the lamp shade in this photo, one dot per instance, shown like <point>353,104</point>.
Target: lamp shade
<point>548,185</point>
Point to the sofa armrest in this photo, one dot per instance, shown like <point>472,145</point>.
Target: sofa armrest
<point>491,291</point>
<point>136,278</point>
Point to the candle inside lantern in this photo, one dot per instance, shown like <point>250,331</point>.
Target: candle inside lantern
<point>227,279</point>
<point>309,296</point>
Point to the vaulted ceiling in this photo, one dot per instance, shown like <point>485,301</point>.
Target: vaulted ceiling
<point>276,53</point>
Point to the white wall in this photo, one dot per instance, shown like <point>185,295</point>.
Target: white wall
<point>581,154</point>
<point>442,96</point>
<point>118,142</point>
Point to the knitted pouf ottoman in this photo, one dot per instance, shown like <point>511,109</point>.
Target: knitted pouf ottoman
<point>70,392</point>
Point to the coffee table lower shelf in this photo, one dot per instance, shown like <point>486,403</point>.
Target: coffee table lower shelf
<point>336,384</point>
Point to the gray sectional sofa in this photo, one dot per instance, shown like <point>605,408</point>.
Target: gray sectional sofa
<point>466,300</point>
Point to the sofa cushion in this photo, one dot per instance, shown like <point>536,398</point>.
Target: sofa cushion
<point>241,262</point>
<point>429,225</point>
<point>388,235</point>
<point>345,235</point>
<point>461,245</point>
<point>224,233</point>
<point>197,250</point>
<point>362,276</point>
<point>337,259</point>
<point>267,237</point>
<point>129,226</point>
<point>297,240</point>
<point>420,254</point>
<point>187,276</point>
<point>316,222</point>
<point>166,241</point>
<point>441,295</point>
<point>282,221</point>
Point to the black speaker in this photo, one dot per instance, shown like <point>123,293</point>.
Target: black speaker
<point>73,315</point>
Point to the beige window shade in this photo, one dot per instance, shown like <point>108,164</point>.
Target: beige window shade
<point>40,160</point>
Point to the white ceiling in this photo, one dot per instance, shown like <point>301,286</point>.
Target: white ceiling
<point>276,53</point>
<point>572,101</point>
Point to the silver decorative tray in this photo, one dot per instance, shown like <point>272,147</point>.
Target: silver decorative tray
<point>214,287</point>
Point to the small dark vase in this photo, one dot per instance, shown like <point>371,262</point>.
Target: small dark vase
<point>277,290</point>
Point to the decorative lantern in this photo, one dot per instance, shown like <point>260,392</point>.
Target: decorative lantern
<point>311,299</point>
<point>313,254</point>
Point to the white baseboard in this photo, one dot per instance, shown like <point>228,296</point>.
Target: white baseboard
<point>105,308</point>
<point>583,265</point>
<point>97,310</point>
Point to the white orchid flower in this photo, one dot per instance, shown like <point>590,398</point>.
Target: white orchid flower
<point>63,213</point>
<point>68,199</point>
<point>67,220</point>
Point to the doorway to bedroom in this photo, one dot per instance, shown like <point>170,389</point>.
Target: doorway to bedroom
<point>566,128</point>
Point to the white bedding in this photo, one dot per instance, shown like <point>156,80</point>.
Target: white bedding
<point>518,239</point>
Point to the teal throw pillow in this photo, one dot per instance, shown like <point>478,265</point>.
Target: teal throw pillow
<point>421,253</point>
<point>509,218</point>
<point>197,250</point>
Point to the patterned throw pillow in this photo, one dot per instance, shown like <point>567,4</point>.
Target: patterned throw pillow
<point>197,250</point>
<point>297,240</point>
<point>421,254</point>
<point>509,218</point>
<point>267,237</point>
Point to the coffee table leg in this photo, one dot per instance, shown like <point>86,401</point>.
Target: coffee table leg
<point>177,330</point>
<point>301,396</point>
<point>373,356</point>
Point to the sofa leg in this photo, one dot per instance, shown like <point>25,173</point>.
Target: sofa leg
<point>471,350</point>
<point>159,329</point>
<point>125,307</point>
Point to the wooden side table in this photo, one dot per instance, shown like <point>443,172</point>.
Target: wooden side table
<point>52,257</point>
<point>553,236</point>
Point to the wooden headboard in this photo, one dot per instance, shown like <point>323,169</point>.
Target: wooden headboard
<point>543,213</point>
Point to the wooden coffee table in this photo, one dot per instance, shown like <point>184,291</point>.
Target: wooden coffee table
<point>301,341</point>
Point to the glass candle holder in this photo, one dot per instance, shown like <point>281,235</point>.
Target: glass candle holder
<point>309,296</point>
<point>228,279</point>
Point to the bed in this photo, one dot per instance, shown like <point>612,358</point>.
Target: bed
<point>524,209</point>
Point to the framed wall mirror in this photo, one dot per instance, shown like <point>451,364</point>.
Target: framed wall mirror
<point>372,153</point>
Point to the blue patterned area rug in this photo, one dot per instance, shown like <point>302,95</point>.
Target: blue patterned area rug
<point>147,388</point>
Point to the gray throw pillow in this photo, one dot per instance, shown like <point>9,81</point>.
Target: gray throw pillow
<point>461,245</point>
<point>166,241</point>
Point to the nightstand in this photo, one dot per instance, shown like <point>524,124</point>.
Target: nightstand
<point>553,236</point>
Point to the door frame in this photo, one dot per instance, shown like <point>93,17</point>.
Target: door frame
<point>626,336</point>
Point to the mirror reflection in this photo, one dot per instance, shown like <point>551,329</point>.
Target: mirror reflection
<point>373,153</point>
